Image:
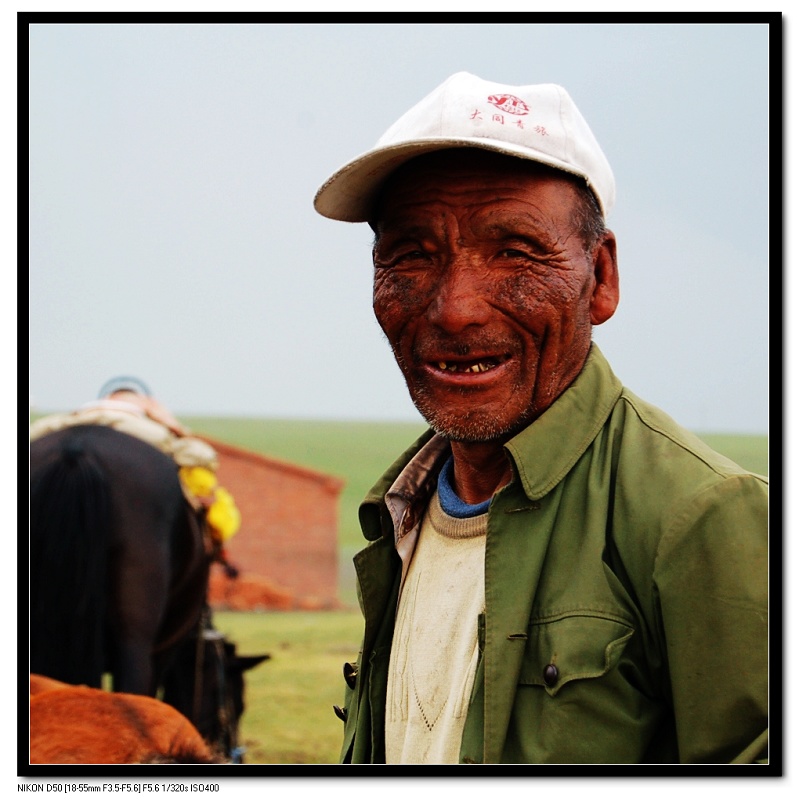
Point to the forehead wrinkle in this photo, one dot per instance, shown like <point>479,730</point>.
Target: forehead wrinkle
<point>535,226</point>
<point>419,225</point>
<point>476,211</point>
<point>515,225</point>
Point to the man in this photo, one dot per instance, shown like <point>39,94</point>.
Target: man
<point>557,572</point>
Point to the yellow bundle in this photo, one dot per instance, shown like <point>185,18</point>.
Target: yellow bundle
<point>223,516</point>
<point>199,481</point>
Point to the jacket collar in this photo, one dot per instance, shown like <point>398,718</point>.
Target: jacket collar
<point>546,450</point>
<point>410,493</point>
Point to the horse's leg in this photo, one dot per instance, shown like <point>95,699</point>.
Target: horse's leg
<point>141,596</point>
<point>132,667</point>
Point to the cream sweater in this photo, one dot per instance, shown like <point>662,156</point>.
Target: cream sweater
<point>434,653</point>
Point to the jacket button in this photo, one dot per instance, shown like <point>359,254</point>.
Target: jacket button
<point>551,674</point>
<point>350,673</point>
<point>341,713</point>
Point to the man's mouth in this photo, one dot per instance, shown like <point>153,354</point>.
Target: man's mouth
<point>470,366</point>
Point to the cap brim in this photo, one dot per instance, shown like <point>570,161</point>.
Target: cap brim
<point>349,193</point>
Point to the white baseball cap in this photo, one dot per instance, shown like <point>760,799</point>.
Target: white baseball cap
<point>539,122</point>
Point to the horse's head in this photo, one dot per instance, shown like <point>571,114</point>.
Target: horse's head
<point>216,704</point>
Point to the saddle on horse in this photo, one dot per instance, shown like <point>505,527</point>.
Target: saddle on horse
<point>127,405</point>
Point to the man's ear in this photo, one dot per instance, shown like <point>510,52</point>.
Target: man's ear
<point>605,297</point>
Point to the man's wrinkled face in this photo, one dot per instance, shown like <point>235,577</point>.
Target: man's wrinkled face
<point>484,289</point>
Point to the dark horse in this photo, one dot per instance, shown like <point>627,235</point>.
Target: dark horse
<point>118,564</point>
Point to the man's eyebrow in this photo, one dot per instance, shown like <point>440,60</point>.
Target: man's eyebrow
<point>399,229</point>
<point>520,226</point>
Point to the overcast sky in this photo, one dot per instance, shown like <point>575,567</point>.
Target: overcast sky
<point>172,235</point>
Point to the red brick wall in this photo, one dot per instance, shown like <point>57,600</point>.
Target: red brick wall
<point>289,528</point>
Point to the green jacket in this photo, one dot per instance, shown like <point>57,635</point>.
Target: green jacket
<point>625,596</point>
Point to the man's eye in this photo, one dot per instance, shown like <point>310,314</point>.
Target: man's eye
<point>389,259</point>
<point>511,253</point>
<point>412,254</point>
<point>408,258</point>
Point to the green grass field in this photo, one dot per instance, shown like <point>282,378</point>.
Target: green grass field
<point>288,717</point>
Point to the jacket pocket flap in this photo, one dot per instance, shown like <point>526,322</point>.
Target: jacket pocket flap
<point>572,647</point>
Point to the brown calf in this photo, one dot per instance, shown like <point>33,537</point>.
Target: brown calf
<point>79,725</point>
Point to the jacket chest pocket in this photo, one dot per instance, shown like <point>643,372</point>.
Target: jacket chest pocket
<point>571,647</point>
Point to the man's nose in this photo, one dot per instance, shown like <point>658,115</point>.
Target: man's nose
<point>459,298</point>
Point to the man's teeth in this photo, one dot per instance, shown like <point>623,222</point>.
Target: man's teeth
<point>480,366</point>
